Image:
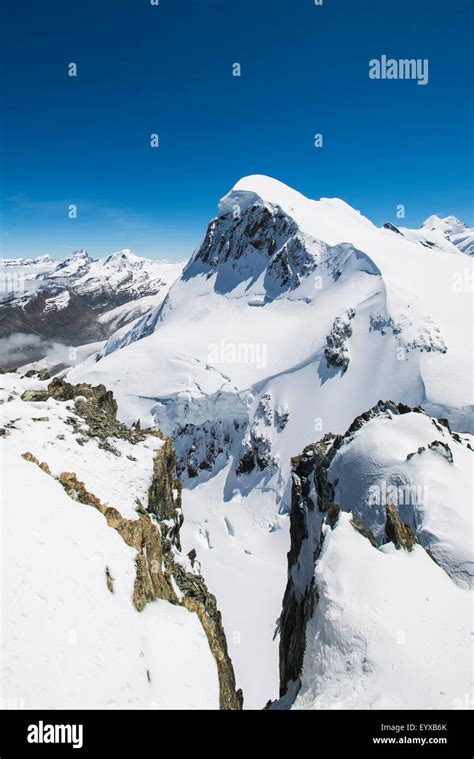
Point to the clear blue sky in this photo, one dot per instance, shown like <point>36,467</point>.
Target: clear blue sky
<point>168,69</point>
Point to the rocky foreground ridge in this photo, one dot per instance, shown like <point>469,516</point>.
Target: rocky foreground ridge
<point>161,570</point>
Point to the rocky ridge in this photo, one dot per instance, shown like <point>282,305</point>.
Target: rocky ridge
<point>162,572</point>
<point>314,510</point>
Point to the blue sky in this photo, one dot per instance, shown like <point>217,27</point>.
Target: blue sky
<point>168,69</point>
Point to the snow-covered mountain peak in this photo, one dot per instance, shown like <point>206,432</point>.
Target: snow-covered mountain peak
<point>292,318</point>
<point>253,245</point>
<point>121,275</point>
<point>307,280</point>
<point>124,257</point>
<point>448,234</point>
<point>77,264</point>
<point>266,188</point>
<point>45,259</point>
<point>81,253</point>
<point>448,223</point>
<point>292,202</point>
<point>267,243</point>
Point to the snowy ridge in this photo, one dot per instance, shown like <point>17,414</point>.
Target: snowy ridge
<point>386,626</point>
<point>377,593</point>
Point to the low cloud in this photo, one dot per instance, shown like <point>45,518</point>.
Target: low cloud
<point>20,348</point>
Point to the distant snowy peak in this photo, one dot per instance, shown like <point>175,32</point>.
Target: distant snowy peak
<point>125,257</point>
<point>75,265</point>
<point>448,234</point>
<point>456,231</point>
<point>125,277</point>
<point>44,260</point>
<point>448,224</point>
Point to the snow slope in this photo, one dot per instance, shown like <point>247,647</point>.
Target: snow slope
<point>241,543</point>
<point>390,631</point>
<point>67,640</point>
<point>380,568</point>
<point>425,471</point>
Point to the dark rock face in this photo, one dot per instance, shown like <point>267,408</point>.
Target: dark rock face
<point>241,245</point>
<point>392,227</point>
<point>360,527</point>
<point>336,352</point>
<point>197,598</point>
<point>305,536</point>
<point>161,498</point>
<point>281,417</point>
<point>256,449</point>
<point>443,449</point>
<point>246,462</point>
<point>383,324</point>
<point>260,227</point>
<point>397,532</point>
<point>291,264</point>
<point>201,448</point>
<point>35,395</point>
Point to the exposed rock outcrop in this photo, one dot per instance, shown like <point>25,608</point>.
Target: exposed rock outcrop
<point>313,510</point>
<point>396,531</point>
<point>305,541</point>
<point>162,572</point>
<point>256,448</point>
<point>336,351</point>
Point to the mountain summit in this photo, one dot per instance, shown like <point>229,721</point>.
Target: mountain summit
<point>293,318</point>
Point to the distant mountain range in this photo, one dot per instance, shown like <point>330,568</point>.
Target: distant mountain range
<point>79,300</point>
<point>448,234</point>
